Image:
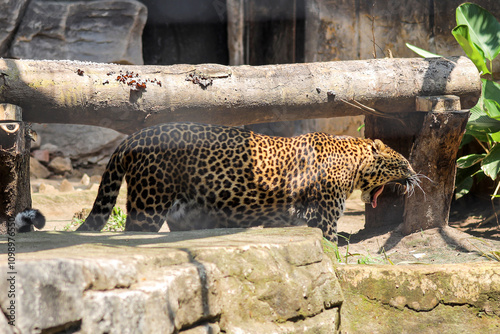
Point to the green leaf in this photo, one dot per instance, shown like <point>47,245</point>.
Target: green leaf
<point>475,54</point>
<point>480,123</point>
<point>481,136</point>
<point>469,160</point>
<point>465,173</point>
<point>484,29</point>
<point>492,108</point>
<point>491,163</point>
<point>464,188</point>
<point>421,52</point>
<point>495,136</point>
<point>491,98</point>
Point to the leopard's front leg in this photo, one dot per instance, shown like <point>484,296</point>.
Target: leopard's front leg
<point>324,215</point>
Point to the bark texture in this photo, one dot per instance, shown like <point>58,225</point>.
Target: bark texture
<point>127,98</point>
<point>434,155</point>
<point>15,193</point>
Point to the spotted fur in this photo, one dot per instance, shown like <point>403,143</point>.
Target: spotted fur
<point>237,178</point>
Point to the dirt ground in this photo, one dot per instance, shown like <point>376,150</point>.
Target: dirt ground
<point>473,234</point>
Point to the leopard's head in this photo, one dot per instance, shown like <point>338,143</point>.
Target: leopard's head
<point>382,166</point>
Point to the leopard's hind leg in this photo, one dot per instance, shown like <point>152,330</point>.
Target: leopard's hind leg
<point>106,195</point>
<point>147,211</point>
<point>149,220</point>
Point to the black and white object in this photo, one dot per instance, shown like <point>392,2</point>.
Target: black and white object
<point>29,217</point>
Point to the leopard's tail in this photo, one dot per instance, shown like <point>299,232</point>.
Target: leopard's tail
<point>106,195</point>
<point>26,219</point>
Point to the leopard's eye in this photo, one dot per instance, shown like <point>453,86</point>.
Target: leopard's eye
<point>10,127</point>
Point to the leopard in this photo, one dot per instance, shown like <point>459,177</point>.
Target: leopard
<point>197,176</point>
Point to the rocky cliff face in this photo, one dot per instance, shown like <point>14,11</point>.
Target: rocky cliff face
<point>107,31</point>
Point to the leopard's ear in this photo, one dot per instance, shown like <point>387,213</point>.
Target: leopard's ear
<point>378,146</point>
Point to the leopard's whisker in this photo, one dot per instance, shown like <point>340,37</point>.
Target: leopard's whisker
<point>415,181</point>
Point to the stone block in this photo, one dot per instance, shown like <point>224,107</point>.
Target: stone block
<point>205,328</point>
<point>5,327</point>
<point>11,14</point>
<point>105,31</point>
<point>452,298</point>
<point>274,284</point>
<point>60,165</point>
<point>48,294</point>
<point>66,186</point>
<point>45,188</point>
<point>191,282</point>
<point>41,155</point>
<point>37,170</point>
<point>119,311</point>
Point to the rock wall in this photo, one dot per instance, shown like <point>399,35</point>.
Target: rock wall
<point>447,299</point>
<point>108,31</point>
<point>212,281</point>
<point>231,281</point>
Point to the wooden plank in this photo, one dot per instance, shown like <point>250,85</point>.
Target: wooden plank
<point>395,22</point>
<point>331,33</point>
<point>332,30</point>
<point>270,31</point>
<point>271,38</point>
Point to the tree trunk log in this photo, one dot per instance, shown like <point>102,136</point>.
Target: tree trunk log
<point>15,193</point>
<point>434,155</point>
<point>97,94</point>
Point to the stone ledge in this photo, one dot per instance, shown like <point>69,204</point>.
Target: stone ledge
<point>445,298</point>
<point>228,280</point>
<point>234,281</point>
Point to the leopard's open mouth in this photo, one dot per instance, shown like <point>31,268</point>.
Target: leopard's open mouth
<point>374,194</point>
<point>406,186</point>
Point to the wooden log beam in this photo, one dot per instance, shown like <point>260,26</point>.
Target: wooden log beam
<point>98,94</point>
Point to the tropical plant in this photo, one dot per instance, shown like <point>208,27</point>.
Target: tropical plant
<point>478,33</point>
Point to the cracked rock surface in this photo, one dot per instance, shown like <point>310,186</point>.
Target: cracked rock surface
<point>234,281</point>
<point>446,298</point>
<point>223,280</point>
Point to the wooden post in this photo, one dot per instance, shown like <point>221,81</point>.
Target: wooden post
<point>15,193</point>
<point>236,31</point>
<point>434,155</point>
<point>399,133</point>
